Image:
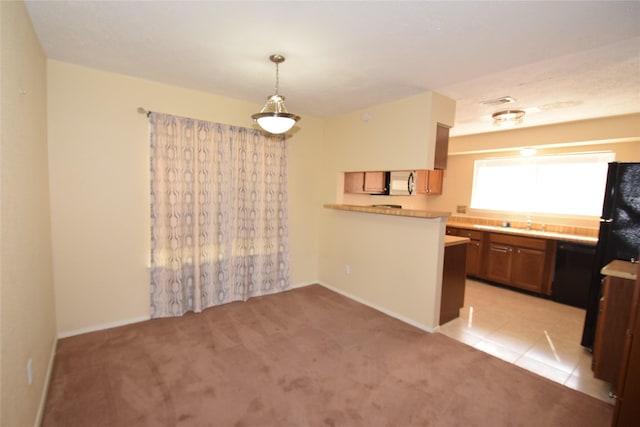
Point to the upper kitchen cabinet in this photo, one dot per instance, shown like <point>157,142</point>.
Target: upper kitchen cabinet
<point>442,147</point>
<point>429,182</point>
<point>365,182</point>
<point>399,135</point>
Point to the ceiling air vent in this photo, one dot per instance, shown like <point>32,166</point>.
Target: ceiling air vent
<point>498,101</point>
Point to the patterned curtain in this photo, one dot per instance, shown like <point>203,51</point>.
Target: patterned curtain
<point>218,214</point>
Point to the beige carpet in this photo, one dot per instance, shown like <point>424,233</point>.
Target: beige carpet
<point>307,357</point>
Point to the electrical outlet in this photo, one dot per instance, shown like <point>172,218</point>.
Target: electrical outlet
<point>29,371</point>
<point>347,269</point>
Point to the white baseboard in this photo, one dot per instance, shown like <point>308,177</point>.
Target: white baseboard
<point>381,309</point>
<point>302,285</point>
<point>102,326</point>
<point>45,386</point>
<point>393,314</point>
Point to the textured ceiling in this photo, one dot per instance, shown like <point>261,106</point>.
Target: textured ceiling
<point>561,61</point>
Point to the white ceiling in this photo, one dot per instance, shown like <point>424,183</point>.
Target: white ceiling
<point>568,60</point>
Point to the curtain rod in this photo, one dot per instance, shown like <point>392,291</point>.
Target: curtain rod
<point>144,111</point>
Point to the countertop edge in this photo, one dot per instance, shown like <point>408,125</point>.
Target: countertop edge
<point>620,269</point>
<point>574,238</point>
<point>455,240</point>
<point>414,213</point>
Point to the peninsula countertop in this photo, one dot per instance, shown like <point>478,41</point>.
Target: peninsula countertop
<point>415,213</point>
<point>620,269</point>
<point>455,240</point>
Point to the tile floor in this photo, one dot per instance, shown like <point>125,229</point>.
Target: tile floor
<point>536,334</point>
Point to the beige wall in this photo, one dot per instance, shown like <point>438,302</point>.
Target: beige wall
<point>99,171</point>
<point>392,263</point>
<point>27,314</point>
<point>398,135</point>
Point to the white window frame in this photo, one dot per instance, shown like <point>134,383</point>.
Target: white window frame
<point>564,184</point>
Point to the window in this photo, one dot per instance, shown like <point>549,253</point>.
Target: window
<point>571,184</point>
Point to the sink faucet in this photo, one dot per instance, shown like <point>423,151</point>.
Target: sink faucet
<point>528,223</point>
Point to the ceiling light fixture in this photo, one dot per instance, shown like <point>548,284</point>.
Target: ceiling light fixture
<point>527,152</point>
<point>508,117</point>
<point>274,117</point>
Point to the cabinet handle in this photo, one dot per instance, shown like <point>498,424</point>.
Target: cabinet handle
<point>501,249</point>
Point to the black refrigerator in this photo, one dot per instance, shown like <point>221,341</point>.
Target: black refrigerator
<point>619,236</point>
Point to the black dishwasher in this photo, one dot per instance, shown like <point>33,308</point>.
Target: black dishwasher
<point>572,274</point>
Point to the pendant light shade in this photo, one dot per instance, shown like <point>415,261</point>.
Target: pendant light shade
<point>274,117</point>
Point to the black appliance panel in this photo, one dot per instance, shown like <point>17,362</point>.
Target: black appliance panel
<point>572,275</point>
<point>619,235</point>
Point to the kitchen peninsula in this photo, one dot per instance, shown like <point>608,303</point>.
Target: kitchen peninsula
<point>403,275</point>
<point>390,259</point>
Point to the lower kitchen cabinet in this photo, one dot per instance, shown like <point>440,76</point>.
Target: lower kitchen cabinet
<point>474,249</point>
<point>627,410</point>
<point>499,261</point>
<point>453,282</point>
<point>611,329</point>
<point>528,266</point>
<point>522,262</point>
<point>518,261</point>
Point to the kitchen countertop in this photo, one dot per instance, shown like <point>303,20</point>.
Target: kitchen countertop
<point>621,269</point>
<point>455,240</point>
<point>390,211</point>
<point>588,240</point>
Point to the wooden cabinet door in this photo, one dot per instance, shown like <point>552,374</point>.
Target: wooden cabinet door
<point>627,410</point>
<point>354,182</point>
<point>453,282</point>
<point>611,328</point>
<point>375,182</point>
<point>473,258</point>
<point>434,182</point>
<point>429,182</point>
<point>474,249</point>
<point>527,269</point>
<point>499,263</point>
<point>365,182</point>
<point>442,147</point>
<point>422,176</point>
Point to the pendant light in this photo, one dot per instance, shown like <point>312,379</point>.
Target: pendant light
<point>274,117</point>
